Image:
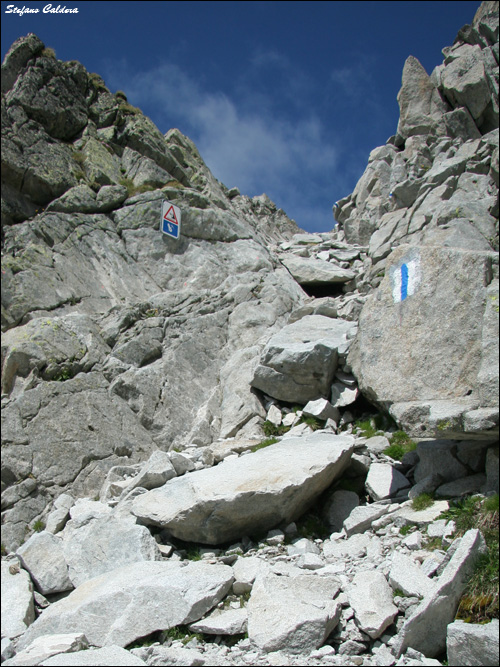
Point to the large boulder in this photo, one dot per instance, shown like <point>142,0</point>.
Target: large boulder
<point>248,494</point>
<point>299,362</point>
<point>403,356</point>
<point>134,601</point>
<point>310,272</point>
<point>292,613</point>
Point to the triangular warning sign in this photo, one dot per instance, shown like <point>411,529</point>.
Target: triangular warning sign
<point>170,216</point>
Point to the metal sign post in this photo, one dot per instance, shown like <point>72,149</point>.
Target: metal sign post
<point>170,223</point>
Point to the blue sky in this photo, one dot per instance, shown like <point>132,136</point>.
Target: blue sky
<point>286,98</point>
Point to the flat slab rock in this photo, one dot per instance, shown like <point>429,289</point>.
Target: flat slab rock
<point>248,494</point>
<point>135,600</point>
<point>46,646</point>
<point>109,656</point>
<point>370,596</point>
<point>292,613</point>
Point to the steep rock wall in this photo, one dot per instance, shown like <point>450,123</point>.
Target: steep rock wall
<point>427,207</point>
<point>119,340</point>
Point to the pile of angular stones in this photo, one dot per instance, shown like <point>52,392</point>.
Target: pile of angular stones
<point>97,587</point>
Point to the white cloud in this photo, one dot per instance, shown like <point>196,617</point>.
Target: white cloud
<point>242,139</point>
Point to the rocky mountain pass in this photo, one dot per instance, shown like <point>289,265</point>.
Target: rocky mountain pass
<point>248,445</point>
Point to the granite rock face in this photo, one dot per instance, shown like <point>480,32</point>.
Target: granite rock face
<point>134,339</point>
<point>427,207</point>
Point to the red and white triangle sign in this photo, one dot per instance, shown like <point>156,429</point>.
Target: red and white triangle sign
<point>170,215</point>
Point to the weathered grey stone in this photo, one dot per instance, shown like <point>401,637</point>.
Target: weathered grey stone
<point>275,537</point>
<point>342,395</point>
<point>355,546</point>
<point>441,528</point>
<point>421,516</point>
<point>362,517</point>
<point>322,409</point>
<point>439,455</point>
<point>18,610</point>
<point>384,481</point>
<point>109,656</point>
<point>44,647</point>
<point>420,104</point>
<point>157,470</point>
<point>482,422</point>
<point>48,345</point>
<point>245,571</point>
<point>56,520</point>
<point>337,508</point>
<point>245,495</point>
<point>293,614</point>
<point>377,444</point>
<point>85,509</point>
<point>487,376</point>
<point>492,471</point>
<point>425,630</point>
<point>370,596</point>
<point>42,555</point>
<point>462,487</point>
<point>408,577</point>
<point>181,463</point>
<point>104,544</point>
<point>465,83</point>
<point>177,657</point>
<point>422,285</point>
<point>310,562</point>
<point>22,50</point>
<point>110,197</point>
<point>228,622</point>
<point>309,272</point>
<point>472,644</point>
<point>302,546</point>
<point>96,426</point>
<point>426,485</point>
<point>157,596</point>
<point>81,198</point>
<point>299,362</point>
<point>274,415</point>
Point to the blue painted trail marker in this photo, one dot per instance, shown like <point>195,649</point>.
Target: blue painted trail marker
<point>405,277</point>
<point>170,223</point>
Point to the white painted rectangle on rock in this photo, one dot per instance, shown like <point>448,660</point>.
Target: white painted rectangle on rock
<point>405,277</point>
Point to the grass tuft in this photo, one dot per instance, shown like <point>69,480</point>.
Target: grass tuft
<point>401,443</point>
<point>422,502</point>
<point>480,601</point>
<point>265,443</point>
